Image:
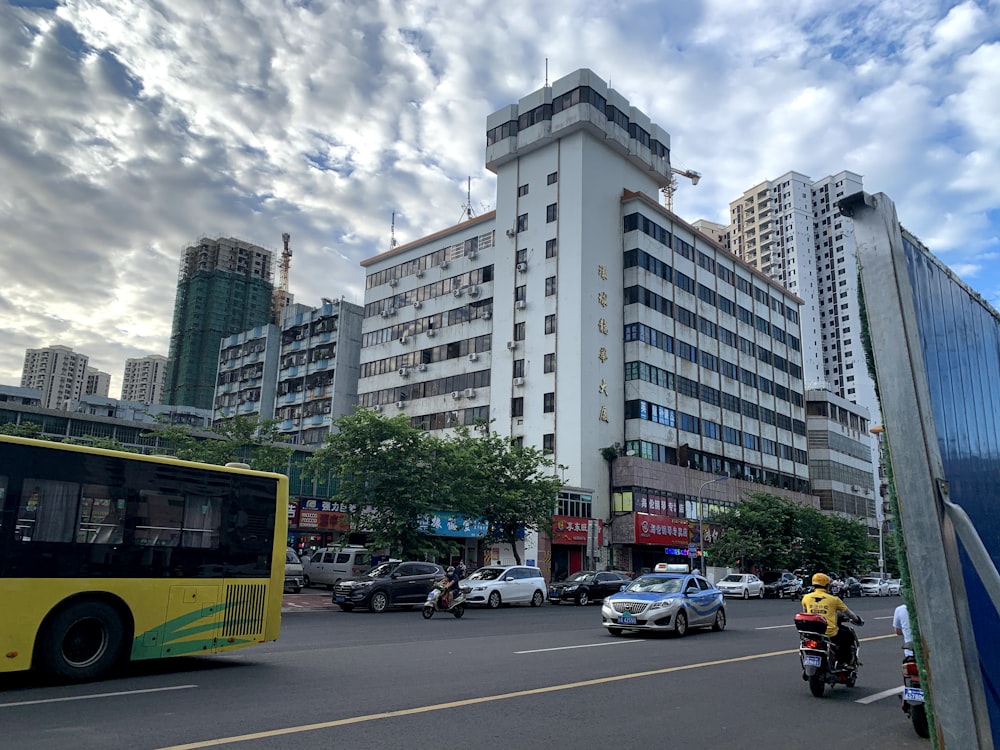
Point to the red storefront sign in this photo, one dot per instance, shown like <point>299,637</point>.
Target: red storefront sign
<point>570,530</point>
<point>662,531</point>
<point>318,519</point>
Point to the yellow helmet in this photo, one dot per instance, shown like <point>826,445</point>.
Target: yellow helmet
<point>821,579</point>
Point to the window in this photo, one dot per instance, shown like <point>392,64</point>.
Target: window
<point>518,369</point>
<point>549,402</point>
<point>522,223</point>
<point>551,248</point>
<point>551,212</point>
<point>519,332</point>
<point>550,286</point>
<point>550,363</point>
<point>522,190</point>
<point>552,178</point>
<point>550,323</point>
<point>517,407</point>
<point>548,442</point>
<point>521,293</point>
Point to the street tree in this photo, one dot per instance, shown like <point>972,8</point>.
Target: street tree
<point>513,488</point>
<point>241,439</point>
<point>390,475</point>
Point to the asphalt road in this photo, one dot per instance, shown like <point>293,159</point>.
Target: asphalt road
<point>515,678</point>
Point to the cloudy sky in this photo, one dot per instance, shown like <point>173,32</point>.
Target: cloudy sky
<point>129,129</point>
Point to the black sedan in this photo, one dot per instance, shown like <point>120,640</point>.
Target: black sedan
<point>588,586</point>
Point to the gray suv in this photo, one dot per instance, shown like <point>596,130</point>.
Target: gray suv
<point>391,584</point>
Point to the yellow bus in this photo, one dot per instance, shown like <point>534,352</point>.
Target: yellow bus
<point>107,557</point>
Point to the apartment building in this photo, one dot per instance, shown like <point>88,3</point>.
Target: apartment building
<point>583,317</point>
<point>143,379</point>
<point>58,372</point>
<point>97,383</point>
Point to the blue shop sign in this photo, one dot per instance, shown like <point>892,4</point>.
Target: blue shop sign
<point>441,523</point>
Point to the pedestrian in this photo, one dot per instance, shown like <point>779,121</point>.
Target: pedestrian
<point>461,569</point>
<point>901,625</point>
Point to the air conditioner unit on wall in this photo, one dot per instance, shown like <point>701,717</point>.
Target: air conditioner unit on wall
<point>518,381</point>
<point>418,304</point>
<point>522,267</point>
<point>487,315</point>
<point>520,304</point>
<point>393,281</point>
<point>511,345</point>
<point>377,407</point>
<point>473,291</point>
<point>400,404</point>
<point>422,367</point>
<point>403,372</point>
<point>403,339</point>
<point>469,393</point>
<point>431,333</point>
<point>456,395</point>
<point>444,264</point>
<point>419,273</point>
<point>458,292</point>
<point>473,357</point>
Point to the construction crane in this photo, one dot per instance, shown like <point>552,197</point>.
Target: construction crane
<point>668,191</point>
<point>279,299</point>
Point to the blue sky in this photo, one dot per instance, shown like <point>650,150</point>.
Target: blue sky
<point>128,130</point>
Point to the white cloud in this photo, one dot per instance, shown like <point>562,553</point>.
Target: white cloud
<point>130,129</point>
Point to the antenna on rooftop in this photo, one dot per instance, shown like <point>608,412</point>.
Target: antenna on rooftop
<point>392,232</point>
<point>546,71</point>
<point>467,210</point>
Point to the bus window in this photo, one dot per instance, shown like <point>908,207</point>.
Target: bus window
<point>157,519</point>
<point>48,511</point>
<point>202,520</point>
<point>102,516</point>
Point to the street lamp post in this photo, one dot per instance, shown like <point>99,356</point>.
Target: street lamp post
<point>701,519</point>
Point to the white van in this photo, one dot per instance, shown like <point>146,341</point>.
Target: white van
<point>294,577</point>
<point>329,565</point>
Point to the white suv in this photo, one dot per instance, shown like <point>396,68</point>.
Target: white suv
<point>330,565</point>
<point>494,585</point>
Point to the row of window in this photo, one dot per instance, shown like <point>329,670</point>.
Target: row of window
<point>481,309</point>
<point>453,384</point>
<point>645,334</point>
<point>437,258</point>
<point>705,393</point>
<point>433,290</point>
<point>690,319</point>
<point>640,259</point>
<point>441,420</point>
<point>442,353</point>
<point>637,222</point>
<point>579,95</point>
<point>668,417</point>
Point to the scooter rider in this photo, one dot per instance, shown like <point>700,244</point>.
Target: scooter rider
<point>820,602</point>
<point>451,588</point>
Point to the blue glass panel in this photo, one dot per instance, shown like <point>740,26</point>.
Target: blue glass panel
<point>960,343</point>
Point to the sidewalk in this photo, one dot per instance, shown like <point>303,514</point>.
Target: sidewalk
<point>309,600</point>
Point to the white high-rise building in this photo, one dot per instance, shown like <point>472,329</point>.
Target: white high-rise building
<point>98,382</point>
<point>144,378</point>
<point>791,229</point>
<point>584,318</point>
<point>58,372</point>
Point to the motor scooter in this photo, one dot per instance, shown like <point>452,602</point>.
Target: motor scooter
<point>818,655</point>
<point>435,603</point>
<point>912,697</point>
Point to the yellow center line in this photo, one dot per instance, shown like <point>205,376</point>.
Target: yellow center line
<point>484,699</point>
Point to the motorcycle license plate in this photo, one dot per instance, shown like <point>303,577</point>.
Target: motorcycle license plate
<point>339,599</point>
<point>913,695</point>
<point>626,620</point>
<point>811,661</point>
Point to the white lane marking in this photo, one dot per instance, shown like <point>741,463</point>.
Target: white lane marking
<point>96,695</point>
<point>775,627</point>
<point>884,617</point>
<point>584,645</point>
<point>880,696</point>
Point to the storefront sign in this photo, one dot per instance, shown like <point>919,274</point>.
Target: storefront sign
<point>662,531</point>
<point>309,519</point>
<point>441,523</point>
<point>570,530</point>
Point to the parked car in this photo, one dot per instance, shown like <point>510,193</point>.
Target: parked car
<point>743,585</point>
<point>665,602</point>
<point>588,586</point>
<point>293,572</point>
<point>894,585</point>
<point>329,565</point>
<point>782,585</point>
<point>391,584</point>
<point>852,587</point>
<point>494,585</point>
<point>874,587</point>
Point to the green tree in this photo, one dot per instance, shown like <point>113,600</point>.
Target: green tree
<point>238,439</point>
<point>25,429</point>
<point>389,476</point>
<point>511,487</point>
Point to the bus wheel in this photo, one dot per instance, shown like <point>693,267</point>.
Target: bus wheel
<point>83,642</point>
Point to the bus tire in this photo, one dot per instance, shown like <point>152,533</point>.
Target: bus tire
<point>82,642</point>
